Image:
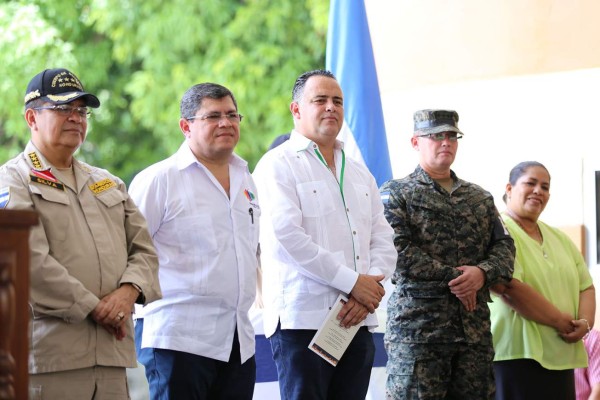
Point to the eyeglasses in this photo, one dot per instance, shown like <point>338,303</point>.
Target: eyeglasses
<point>234,118</point>
<point>438,137</point>
<point>66,111</point>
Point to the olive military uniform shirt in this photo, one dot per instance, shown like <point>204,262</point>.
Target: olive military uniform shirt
<point>434,232</point>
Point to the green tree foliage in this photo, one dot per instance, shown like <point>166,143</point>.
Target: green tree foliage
<point>139,57</point>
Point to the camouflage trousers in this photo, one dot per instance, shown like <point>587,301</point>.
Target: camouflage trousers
<point>424,371</point>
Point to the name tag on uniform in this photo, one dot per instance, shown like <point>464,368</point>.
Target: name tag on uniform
<point>102,186</point>
<point>47,182</point>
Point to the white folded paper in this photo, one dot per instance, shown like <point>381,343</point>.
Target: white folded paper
<point>332,339</point>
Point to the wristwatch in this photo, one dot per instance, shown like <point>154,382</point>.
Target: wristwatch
<point>136,287</point>
<point>141,297</point>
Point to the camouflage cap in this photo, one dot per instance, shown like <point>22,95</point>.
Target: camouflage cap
<point>435,121</point>
<point>58,86</point>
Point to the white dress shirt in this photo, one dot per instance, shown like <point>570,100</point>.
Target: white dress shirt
<point>315,241</point>
<point>207,244</point>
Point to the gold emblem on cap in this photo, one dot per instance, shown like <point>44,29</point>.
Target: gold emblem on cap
<point>32,95</point>
<point>62,97</point>
<point>65,79</point>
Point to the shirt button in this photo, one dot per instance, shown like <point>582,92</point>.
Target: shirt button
<point>354,232</point>
<point>358,257</point>
<point>314,191</point>
<point>347,209</point>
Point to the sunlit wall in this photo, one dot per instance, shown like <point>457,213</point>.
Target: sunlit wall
<point>524,77</point>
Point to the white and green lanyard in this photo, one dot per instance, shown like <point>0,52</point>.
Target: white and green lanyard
<point>341,183</point>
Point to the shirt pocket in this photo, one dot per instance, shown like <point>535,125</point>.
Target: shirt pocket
<point>362,202</point>
<point>427,209</point>
<point>253,228</point>
<point>112,206</point>
<point>432,217</point>
<point>52,206</point>
<point>247,218</point>
<point>112,198</point>
<point>315,199</point>
<point>402,367</point>
<point>424,306</point>
<point>196,234</point>
<point>194,321</point>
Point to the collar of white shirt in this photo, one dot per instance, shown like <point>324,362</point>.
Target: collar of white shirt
<point>185,158</point>
<point>299,142</point>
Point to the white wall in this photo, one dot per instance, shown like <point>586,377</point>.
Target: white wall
<point>548,118</point>
<point>551,118</point>
<point>430,42</point>
<point>524,78</point>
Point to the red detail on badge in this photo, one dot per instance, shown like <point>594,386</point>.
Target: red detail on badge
<point>45,174</point>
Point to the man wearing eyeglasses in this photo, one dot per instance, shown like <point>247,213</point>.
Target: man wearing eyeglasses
<point>452,246</point>
<point>203,213</point>
<point>91,255</point>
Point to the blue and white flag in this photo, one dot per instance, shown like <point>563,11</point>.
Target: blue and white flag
<point>350,58</point>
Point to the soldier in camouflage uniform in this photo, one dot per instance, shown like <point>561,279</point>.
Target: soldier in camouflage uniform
<point>452,246</point>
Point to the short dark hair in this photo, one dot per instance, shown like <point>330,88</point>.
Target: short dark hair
<point>191,101</point>
<point>35,103</point>
<point>298,89</point>
<point>519,170</point>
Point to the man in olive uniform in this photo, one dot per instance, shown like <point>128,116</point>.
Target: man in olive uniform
<point>91,258</point>
<point>452,246</point>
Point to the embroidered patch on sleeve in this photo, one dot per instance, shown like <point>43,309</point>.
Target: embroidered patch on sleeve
<point>4,197</point>
<point>500,229</point>
<point>385,197</point>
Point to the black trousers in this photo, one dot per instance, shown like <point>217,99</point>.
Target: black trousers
<point>526,379</point>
